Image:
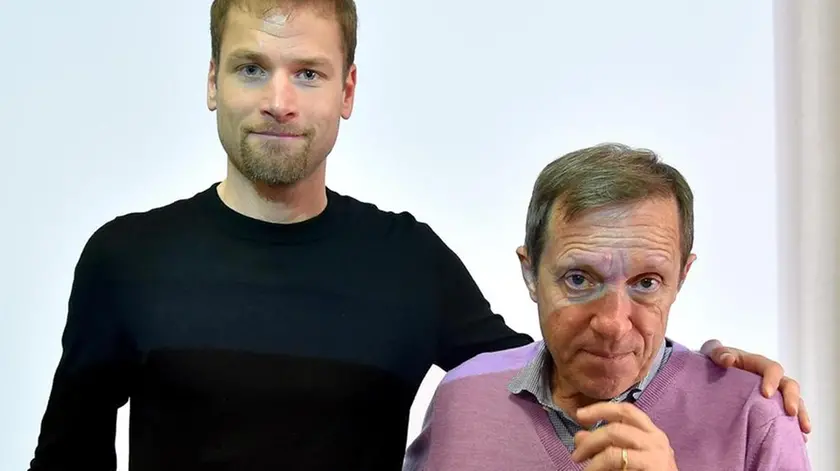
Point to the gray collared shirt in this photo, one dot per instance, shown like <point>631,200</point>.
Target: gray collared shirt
<point>534,379</point>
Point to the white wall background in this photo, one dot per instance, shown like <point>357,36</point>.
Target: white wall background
<point>460,104</point>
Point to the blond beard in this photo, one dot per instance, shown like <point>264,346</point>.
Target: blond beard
<point>273,165</point>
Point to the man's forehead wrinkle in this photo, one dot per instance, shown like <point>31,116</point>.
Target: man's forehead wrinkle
<point>623,225</point>
<point>604,240</point>
<point>585,254</point>
<point>638,234</point>
<point>642,241</point>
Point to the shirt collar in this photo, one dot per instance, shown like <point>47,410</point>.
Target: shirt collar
<point>534,378</point>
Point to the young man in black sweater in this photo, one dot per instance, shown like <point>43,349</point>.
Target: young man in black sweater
<point>268,322</point>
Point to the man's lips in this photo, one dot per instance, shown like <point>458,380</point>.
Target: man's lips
<point>606,354</point>
<point>277,135</point>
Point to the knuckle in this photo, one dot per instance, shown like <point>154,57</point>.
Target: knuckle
<point>611,433</point>
<point>617,432</point>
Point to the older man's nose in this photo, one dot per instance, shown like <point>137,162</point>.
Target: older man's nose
<point>612,319</point>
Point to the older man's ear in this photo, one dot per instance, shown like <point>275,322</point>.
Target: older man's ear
<point>527,272</point>
<point>684,274</point>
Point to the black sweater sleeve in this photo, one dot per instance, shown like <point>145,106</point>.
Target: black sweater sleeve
<point>90,382</point>
<point>467,326</point>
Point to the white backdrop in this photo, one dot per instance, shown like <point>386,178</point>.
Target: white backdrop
<point>459,106</point>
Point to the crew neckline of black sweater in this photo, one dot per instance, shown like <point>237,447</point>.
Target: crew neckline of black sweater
<point>325,224</point>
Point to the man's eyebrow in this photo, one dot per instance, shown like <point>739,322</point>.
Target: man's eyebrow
<point>314,62</point>
<point>592,264</point>
<point>576,258</point>
<point>246,54</point>
<point>300,61</point>
<point>598,263</point>
<point>657,263</point>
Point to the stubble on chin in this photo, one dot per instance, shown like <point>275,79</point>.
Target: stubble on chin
<point>273,165</point>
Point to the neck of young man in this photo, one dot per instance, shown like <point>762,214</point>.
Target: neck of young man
<point>279,204</point>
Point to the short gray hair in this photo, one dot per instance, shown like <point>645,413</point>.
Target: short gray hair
<point>601,176</point>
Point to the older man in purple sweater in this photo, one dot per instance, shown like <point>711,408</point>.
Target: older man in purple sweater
<point>608,244</point>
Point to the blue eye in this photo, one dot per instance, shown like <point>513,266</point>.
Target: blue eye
<point>578,282</point>
<point>648,284</point>
<point>308,75</point>
<point>252,71</point>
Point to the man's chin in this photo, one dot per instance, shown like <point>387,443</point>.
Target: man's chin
<point>603,392</point>
<point>604,388</point>
<point>269,176</point>
<point>277,179</point>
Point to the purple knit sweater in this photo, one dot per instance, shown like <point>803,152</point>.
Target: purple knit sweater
<point>715,418</point>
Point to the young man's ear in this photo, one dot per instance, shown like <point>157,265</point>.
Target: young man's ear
<point>528,271</point>
<point>349,93</point>
<point>211,86</point>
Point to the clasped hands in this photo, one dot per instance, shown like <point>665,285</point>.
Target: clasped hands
<point>629,441</point>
